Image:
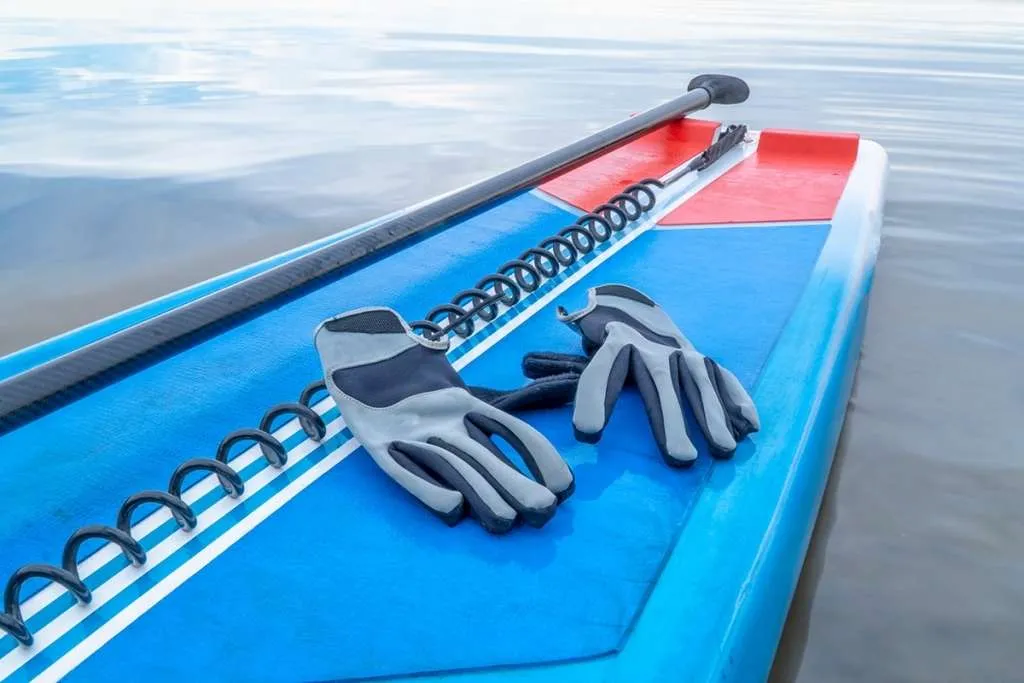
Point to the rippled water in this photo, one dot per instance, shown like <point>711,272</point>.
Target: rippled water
<point>142,149</point>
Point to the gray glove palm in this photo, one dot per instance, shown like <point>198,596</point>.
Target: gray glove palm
<point>411,411</point>
<point>628,336</point>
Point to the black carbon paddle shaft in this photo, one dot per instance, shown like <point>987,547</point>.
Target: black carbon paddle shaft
<point>45,387</point>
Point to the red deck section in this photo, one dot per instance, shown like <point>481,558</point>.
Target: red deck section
<point>649,156</point>
<point>793,176</point>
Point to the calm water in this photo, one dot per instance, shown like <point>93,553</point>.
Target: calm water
<point>141,150</point>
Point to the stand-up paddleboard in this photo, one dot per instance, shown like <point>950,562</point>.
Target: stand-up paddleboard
<point>182,500</point>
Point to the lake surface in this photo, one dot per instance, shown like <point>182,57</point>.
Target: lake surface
<point>145,146</point>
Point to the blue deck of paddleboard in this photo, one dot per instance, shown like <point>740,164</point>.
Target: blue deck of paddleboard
<point>351,579</point>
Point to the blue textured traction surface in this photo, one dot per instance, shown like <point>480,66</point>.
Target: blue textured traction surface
<point>351,579</point>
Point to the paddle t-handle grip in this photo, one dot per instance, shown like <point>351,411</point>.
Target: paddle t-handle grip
<point>721,89</point>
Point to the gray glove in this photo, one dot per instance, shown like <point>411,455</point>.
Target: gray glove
<point>628,336</point>
<point>411,411</point>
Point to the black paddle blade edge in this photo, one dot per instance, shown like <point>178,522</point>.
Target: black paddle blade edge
<point>722,89</point>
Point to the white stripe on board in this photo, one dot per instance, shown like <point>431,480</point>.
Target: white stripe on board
<point>145,526</point>
<point>676,194</point>
<point>157,554</point>
<point>555,201</point>
<point>147,600</point>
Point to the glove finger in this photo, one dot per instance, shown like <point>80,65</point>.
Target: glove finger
<point>433,492</point>
<point>446,468</point>
<point>538,364</point>
<point>706,403</point>
<point>739,407</point>
<point>532,501</point>
<point>659,387</point>
<point>599,387</point>
<point>543,461</point>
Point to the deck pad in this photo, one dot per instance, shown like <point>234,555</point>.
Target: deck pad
<point>574,588</point>
<point>327,570</point>
<point>650,156</point>
<point>793,176</point>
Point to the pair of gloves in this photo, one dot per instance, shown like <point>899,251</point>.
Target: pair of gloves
<point>431,433</point>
